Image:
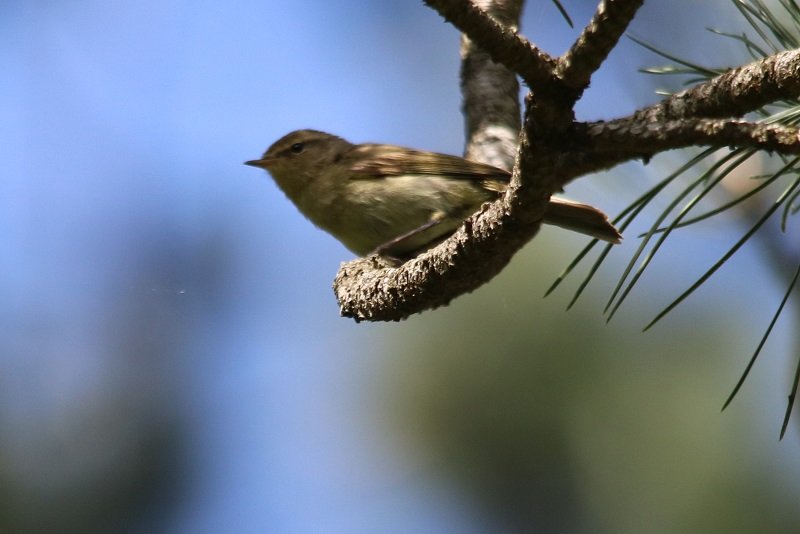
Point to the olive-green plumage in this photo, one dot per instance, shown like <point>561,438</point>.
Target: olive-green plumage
<point>393,200</point>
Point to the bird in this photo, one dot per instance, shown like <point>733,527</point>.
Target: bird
<point>397,201</point>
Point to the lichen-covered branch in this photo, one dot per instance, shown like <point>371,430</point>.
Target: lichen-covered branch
<point>490,93</point>
<point>471,257</point>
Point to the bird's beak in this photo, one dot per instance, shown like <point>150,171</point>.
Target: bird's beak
<point>263,162</point>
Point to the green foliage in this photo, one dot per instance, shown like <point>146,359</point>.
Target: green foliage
<point>563,13</point>
<point>777,30</point>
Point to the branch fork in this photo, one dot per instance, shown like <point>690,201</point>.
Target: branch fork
<point>553,149</point>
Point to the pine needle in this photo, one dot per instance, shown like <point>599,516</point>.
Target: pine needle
<point>787,193</point>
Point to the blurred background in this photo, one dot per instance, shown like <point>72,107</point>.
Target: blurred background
<point>171,355</point>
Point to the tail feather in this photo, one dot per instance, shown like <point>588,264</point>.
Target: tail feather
<point>581,218</point>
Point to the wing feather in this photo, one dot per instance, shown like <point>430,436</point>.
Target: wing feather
<point>386,160</point>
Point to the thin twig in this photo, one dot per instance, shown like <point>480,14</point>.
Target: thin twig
<point>599,37</point>
<point>505,46</point>
<point>616,135</point>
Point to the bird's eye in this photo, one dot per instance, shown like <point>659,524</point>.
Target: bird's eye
<point>297,148</point>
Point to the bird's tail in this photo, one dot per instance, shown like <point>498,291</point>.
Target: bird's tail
<point>581,218</point>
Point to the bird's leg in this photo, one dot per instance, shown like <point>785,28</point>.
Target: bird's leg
<point>385,248</point>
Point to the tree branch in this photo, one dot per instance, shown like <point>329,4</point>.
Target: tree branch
<point>643,138</point>
<point>505,46</point>
<point>477,252</point>
<point>491,95</point>
<point>600,36</point>
<point>736,92</point>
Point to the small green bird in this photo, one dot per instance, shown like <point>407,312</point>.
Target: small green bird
<point>397,201</point>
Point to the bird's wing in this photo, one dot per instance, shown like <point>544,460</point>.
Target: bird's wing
<point>385,160</point>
